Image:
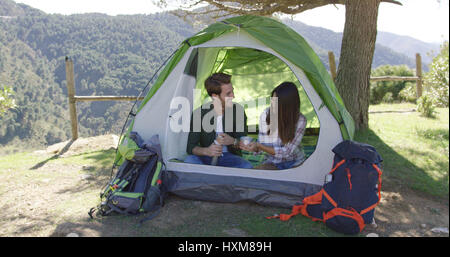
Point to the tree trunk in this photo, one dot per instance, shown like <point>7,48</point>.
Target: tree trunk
<point>355,62</point>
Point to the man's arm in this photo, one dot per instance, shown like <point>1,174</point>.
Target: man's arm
<point>193,144</point>
<point>212,150</point>
<point>198,151</point>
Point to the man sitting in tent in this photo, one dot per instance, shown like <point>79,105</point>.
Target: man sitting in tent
<point>218,144</point>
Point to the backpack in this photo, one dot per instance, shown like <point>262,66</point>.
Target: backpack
<point>352,190</point>
<point>138,185</point>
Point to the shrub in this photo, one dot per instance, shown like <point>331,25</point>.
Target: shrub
<point>408,93</point>
<point>6,100</point>
<point>378,90</point>
<point>425,106</point>
<point>436,80</point>
<point>388,98</point>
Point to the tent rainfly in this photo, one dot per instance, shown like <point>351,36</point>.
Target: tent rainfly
<point>259,53</point>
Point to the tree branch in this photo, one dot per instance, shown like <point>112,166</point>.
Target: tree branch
<point>222,8</point>
<point>392,2</point>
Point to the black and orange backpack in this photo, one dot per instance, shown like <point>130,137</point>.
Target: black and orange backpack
<point>352,190</point>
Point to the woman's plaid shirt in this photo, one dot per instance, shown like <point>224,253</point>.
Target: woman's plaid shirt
<point>283,153</point>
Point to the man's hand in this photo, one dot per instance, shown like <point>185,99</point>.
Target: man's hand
<point>213,150</point>
<point>225,139</point>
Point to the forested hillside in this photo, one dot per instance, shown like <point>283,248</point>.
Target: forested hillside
<point>408,45</point>
<point>112,55</point>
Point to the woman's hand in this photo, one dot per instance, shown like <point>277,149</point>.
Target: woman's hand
<point>251,147</point>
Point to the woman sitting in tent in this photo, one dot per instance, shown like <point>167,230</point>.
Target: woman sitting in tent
<point>280,138</point>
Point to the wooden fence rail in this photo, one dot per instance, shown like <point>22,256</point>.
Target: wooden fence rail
<point>106,98</point>
<point>417,78</point>
<point>73,99</point>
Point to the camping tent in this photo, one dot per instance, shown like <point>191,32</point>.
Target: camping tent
<point>259,53</point>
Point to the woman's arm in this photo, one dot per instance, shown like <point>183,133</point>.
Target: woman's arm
<point>267,149</point>
<point>257,147</point>
<point>263,136</point>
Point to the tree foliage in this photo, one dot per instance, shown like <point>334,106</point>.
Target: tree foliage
<point>436,80</point>
<point>6,100</point>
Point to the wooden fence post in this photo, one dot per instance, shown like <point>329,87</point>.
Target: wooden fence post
<point>332,63</point>
<point>419,75</point>
<point>71,93</point>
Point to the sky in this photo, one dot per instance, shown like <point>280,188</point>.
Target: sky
<point>426,20</point>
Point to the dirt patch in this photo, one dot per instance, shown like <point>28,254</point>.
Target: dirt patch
<point>81,145</point>
<point>406,213</point>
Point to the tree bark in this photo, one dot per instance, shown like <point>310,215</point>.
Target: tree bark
<point>355,62</point>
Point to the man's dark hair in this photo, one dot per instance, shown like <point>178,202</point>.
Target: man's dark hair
<point>214,82</point>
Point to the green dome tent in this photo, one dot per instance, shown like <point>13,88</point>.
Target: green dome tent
<point>259,53</point>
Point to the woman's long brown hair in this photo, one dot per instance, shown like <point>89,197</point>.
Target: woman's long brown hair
<point>288,110</point>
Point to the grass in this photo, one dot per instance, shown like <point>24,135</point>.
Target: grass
<point>415,149</point>
<point>43,195</point>
<point>34,186</point>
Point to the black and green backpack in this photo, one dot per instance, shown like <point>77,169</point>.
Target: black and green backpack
<point>138,185</point>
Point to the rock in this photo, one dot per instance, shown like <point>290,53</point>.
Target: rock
<point>373,224</point>
<point>372,235</point>
<point>72,235</point>
<point>235,232</point>
<point>115,141</point>
<point>440,230</point>
<point>87,167</point>
<point>423,225</point>
<point>40,152</point>
<point>86,177</point>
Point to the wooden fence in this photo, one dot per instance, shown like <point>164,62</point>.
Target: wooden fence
<point>73,99</point>
<point>418,78</point>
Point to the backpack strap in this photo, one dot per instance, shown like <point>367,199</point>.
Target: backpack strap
<point>116,209</point>
<point>296,209</point>
<point>337,166</point>
<point>160,194</point>
<point>353,214</point>
<point>156,210</point>
<point>379,191</point>
<point>153,215</point>
<point>301,209</point>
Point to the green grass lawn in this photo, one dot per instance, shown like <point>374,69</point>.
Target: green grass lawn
<point>46,190</point>
<point>415,149</point>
